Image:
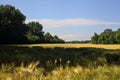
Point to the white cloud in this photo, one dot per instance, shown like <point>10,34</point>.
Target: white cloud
<point>69,37</point>
<point>52,23</point>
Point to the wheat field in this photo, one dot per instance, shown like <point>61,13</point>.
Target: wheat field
<point>104,46</point>
<point>63,72</point>
<point>31,72</point>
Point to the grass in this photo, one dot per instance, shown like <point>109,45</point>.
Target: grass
<point>60,62</point>
<point>104,46</point>
<point>32,72</point>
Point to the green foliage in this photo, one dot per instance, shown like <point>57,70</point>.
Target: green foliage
<point>12,27</point>
<point>95,38</point>
<point>35,28</point>
<point>107,30</point>
<point>117,36</point>
<point>32,38</point>
<point>35,33</point>
<point>106,37</point>
<point>48,38</point>
<point>13,30</point>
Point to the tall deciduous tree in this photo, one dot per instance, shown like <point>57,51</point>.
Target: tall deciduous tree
<point>12,27</point>
<point>35,32</point>
<point>14,30</point>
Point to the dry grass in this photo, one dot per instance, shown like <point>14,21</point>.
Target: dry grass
<point>105,46</point>
<point>31,72</point>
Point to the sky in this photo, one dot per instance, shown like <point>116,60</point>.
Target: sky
<point>71,19</point>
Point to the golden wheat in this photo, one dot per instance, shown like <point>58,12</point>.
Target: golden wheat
<point>60,73</point>
<point>104,46</point>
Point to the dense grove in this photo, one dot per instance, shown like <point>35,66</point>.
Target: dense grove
<point>107,37</point>
<point>13,29</point>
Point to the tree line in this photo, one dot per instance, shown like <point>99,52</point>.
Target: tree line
<point>78,42</point>
<point>106,37</point>
<point>14,30</point>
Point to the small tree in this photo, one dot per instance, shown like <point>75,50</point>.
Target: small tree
<point>35,33</point>
<point>94,39</point>
<point>48,38</point>
<point>117,36</point>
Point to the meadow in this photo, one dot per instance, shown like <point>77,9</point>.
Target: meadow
<point>104,46</point>
<point>60,62</point>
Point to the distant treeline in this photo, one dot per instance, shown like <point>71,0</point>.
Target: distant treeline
<point>13,29</point>
<point>83,41</point>
<point>106,37</point>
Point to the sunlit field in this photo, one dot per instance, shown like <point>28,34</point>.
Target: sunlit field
<point>104,46</point>
<point>31,72</point>
<point>60,40</point>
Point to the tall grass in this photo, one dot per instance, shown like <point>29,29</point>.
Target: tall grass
<point>32,72</point>
<point>47,56</point>
<point>55,62</point>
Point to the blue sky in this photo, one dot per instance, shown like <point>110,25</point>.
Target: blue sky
<point>71,19</point>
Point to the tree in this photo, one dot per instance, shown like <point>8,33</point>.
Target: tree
<point>94,39</point>
<point>101,39</point>
<point>35,28</point>
<point>35,33</point>
<point>107,30</point>
<point>55,39</point>
<point>48,38</point>
<point>12,27</point>
<point>107,37</point>
<point>52,39</point>
<point>32,38</point>
<point>117,36</point>
<point>13,30</point>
